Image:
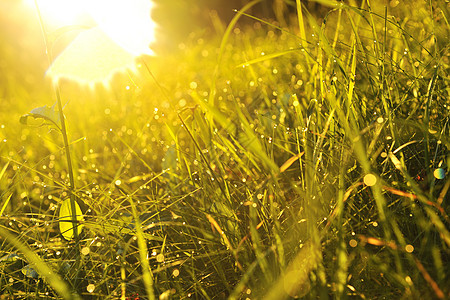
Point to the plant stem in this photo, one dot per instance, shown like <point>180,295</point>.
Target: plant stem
<point>69,164</point>
<point>63,131</point>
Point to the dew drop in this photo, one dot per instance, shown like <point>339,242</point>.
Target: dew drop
<point>176,272</point>
<point>85,251</point>
<point>370,179</point>
<point>409,248</point>
<point>90,288</point>
<point>160,258</point>
<point>439,173</point>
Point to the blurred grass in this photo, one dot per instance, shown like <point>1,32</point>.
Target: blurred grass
<point>264,163</point>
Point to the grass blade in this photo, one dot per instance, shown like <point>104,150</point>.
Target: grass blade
<point>51,278</point>
<point>147,275</point>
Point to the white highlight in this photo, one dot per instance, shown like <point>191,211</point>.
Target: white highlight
<point>58,12</point>
<point>128,23</point>
<point>91,57</point>
<point>125,30</point>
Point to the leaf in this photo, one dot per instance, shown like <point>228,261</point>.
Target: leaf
<point>44,112</point>
<point>89,64</point>
<point>66,225</point>
<point>29,272</point>
<point>58,33</point>
<point>12,257</point>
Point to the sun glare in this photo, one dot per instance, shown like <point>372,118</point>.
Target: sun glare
<point>128,23</point>
<point>125,30</point>
<point>58,12</point>
<point>93,63</point>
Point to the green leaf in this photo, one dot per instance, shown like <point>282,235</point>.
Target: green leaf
<point>66,226</point>
<point>46,113</point>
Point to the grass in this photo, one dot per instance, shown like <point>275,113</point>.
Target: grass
<point>261,162</point>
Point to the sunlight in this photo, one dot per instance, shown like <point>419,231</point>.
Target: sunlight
<point>128,23</point>
<point>93,63</point>
<point>125,30</point>
<point>58,12</point>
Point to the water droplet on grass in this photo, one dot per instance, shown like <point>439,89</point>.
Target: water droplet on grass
<point>176,272</point>
<point>85,251</point>
<point>90,288</point>
<point>439,173</point>
<point>409,248</point>
<point>370,179</point>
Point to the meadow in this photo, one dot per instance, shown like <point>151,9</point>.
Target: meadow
<point>304,156</point>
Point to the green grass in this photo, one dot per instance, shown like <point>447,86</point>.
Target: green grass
<point>262,162</point>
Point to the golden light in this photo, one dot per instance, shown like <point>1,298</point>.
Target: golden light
<point>91,57</point>
<point>124,31</point>
<point>127,22</point>
<point>58,13</point>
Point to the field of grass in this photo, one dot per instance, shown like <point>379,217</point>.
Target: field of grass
<point>306,157</point>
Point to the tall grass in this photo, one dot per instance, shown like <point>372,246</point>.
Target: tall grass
<point>268,163</point>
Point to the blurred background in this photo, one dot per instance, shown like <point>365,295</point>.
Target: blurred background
<point>23,60</point>
<point>22,51</point>
<point>178,18</point>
